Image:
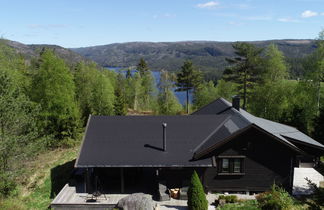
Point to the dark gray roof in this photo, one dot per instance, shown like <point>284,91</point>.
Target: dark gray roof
<point>215,107</point>
<point>241,119</point>
<point>129,141</point>
<point>136,141</point>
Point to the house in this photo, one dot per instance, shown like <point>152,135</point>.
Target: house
<point>231,150</point>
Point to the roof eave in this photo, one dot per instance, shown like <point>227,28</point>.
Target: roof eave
<point>83,139</point>
<point>237,133</point>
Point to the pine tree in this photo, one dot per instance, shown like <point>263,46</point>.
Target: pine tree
<point>196,195</point>
<point>244,69</point>
<point>142,67</point>
<point>120,106</point>
<point>187,79</point>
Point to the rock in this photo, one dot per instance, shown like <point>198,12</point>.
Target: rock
<point>136,201</point>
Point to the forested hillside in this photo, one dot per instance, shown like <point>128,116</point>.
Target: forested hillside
<point>45,101</point>
<point>32,51</point>
<point>208,56</point>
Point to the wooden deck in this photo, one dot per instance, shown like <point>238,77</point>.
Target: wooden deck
<point>68,198</point>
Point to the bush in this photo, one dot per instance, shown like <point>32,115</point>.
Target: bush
<point>7,184</point>
<point>229,198</point>
<point>318,193</point>
<point>275,199</point>
<point>244,205</point>
<point>196,195</point>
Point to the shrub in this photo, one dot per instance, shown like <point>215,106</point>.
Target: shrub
<point>244,205</point>
<point>275,199</point>
<point>318,193</point>
<point>7,184</point>
<point>229,198</point>
<point>196,195</point>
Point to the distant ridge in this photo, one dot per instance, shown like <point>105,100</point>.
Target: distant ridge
<point>207,55</point>
<point>33,50</point>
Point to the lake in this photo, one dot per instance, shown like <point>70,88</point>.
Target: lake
<point>157,75</point>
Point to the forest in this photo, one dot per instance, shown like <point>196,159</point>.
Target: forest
<point>45,102</point>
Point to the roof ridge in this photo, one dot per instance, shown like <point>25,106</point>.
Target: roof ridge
<point>211,134</point>
<point>218,99</point>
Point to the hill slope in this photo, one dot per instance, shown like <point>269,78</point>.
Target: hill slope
<point>32,51</point>
<point>208,55</point>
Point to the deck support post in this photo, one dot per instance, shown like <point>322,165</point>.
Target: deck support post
<point>122,187</point>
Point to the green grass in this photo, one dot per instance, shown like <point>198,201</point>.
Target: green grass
<point>47,175</point>
<point>245,205</point>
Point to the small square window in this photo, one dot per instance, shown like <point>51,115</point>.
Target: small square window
<point>237,165</point>
<point>225,165</point>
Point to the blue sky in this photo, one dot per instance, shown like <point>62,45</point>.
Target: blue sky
<point>80,23</point>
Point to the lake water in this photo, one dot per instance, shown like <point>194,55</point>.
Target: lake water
<point>157,75</point>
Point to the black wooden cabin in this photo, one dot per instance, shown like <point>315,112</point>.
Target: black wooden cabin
<point>232,151</point>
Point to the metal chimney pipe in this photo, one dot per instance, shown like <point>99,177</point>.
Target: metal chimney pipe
<point>164,125</point>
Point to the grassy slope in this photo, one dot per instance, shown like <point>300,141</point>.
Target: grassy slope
<point>37,192</point>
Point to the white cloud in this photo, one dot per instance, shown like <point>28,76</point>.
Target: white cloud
<point>288,20</point>
<point>210,4</point>
<point>309,13</point>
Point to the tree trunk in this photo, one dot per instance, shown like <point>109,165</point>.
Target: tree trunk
<point>244,91</point>
<point>187,101</point>
<point>318,97</point>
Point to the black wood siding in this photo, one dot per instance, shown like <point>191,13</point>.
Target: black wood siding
<point>267,161</point>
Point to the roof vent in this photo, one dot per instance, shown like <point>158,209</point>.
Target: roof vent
<point>164,125</point>
<point>236,102</point>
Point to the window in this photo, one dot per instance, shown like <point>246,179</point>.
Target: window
<point>230,165</point>
<point>225,165</point>
<point>237,165</point>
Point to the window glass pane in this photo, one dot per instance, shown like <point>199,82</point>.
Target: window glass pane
<point>225,165</point>
<point>237,165</point>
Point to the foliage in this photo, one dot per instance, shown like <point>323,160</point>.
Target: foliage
<point>54,89</point>
<point>243,205</point>
<point>149,91</point>
<point>301,106</point>
<point>207,92</point>
<point>102,98</point>
<point>120,105</point>
<point>318,194</point>
<point>196,195</point>
<point>229,198</point>
<point>274,65</point>
<point>187,79</point>
<point>314,69</point>
<point>275,199</point>
<point>226,89</point>
<point>167,102</point>
<point>142,67</point>
<point>18,129</point>
<point>245,69</point>
<point>318,132</point>
<point>84,76</point>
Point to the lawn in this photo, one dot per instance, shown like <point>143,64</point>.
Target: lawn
<point>46,174</point>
